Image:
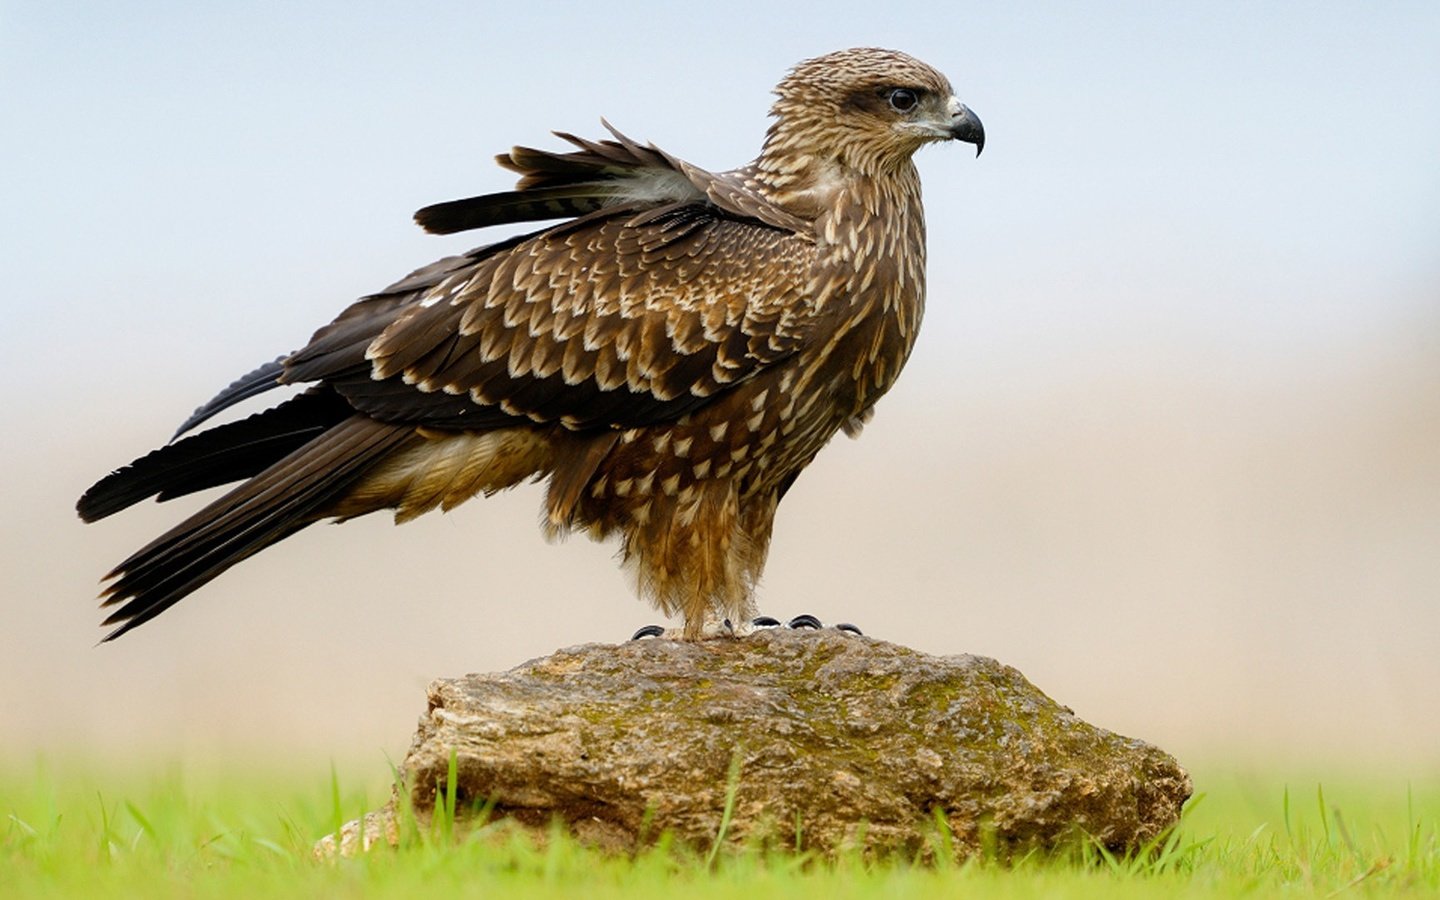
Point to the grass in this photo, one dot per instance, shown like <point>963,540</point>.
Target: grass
<point>68,831</point>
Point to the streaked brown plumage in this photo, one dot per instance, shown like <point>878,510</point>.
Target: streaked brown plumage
<point>670,357</point>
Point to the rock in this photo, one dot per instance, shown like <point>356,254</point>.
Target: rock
<point>359,835</point>
<point>836,742</point>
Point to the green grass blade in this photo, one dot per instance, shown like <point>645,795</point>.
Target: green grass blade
<point>732,790</point>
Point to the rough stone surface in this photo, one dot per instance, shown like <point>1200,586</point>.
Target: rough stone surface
<point>840,742</point>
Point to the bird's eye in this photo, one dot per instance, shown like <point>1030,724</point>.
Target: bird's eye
<point>903,99</point>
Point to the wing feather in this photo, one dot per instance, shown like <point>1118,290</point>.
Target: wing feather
<point>251,384</point>
<point>599,175</point>
<point>670,285</point>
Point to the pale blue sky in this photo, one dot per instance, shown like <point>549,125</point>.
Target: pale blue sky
<point>1239,175</point>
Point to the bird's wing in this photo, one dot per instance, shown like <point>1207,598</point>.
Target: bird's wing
<point>690,211</point>
<point>629,315</point>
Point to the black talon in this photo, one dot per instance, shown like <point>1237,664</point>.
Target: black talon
<point>805,621</point>
<point>846,626</point>
<point>648,631</point>
<point>765,622</point>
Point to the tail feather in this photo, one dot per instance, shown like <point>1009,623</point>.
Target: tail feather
<point>231,452</point>
<point>167,592</point>
<point>296,491</point>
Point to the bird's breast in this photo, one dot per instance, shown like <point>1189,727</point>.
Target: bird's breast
<point>870,276</point>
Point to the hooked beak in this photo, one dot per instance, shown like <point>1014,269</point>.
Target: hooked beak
<point>965,125</point>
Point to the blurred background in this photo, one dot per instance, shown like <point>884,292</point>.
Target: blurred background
<point>1169,444</point>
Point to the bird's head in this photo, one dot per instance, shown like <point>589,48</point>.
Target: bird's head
<point>867,109</point>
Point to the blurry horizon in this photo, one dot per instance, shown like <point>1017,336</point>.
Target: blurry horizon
<point>1169,443</point>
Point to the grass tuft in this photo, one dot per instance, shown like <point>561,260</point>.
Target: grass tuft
<point>97,833</point>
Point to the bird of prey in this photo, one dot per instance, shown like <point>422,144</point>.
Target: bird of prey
<point>670,355</point>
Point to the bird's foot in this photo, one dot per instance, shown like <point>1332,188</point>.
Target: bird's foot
<point>716,629</point>
<point>804,620</point>
<point>724,628</point>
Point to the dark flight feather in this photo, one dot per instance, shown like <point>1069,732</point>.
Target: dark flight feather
<point>251,384</point>
<point>230,452</point>
<point>469,213</point>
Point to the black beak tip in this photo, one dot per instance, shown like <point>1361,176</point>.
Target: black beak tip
<point>966,127</point>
